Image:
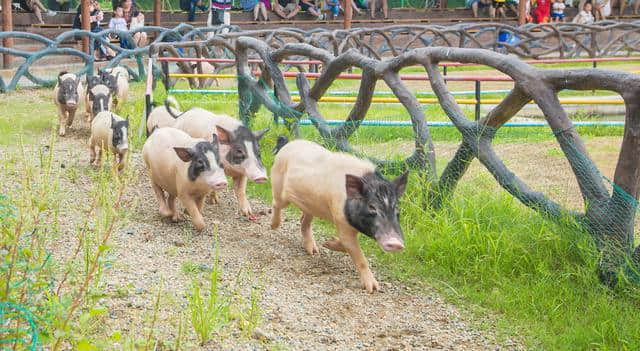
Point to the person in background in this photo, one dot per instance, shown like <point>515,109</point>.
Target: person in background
<point>132,15</point>
<point>497,5</point>
<point>543,11</point>
<point>286,9</point>
<point>557,11</point>
<point>333,6</point>
<point>358,5</point>
<point>635,3</point>
<point>257,7</point>
<point>101,52</point>
<point>475,5</point>
<point>373,8</point>
<point>602,9</point>
<point>584,16</point>
<point>191,6</point>
<point>118,22</point>
<point>37,8</point>
<point>310,7</point>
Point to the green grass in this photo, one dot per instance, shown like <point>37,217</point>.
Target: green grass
<point>517,272</point>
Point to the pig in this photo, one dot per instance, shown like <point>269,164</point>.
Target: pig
<point>159,117</point>
<point>66,95</point>
<point>185,168</point>
<point>100,99</point>
<point>109,132</point>
<point>121,90</point>
<point>344,190</point>
<point>238,148</point>
<point>91,82</point>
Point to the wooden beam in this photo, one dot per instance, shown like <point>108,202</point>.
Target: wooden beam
<point>7,26</point>
<point>157,7</point>
<point>348,13</point>
<point>522,12</point>
<point>86,24</point>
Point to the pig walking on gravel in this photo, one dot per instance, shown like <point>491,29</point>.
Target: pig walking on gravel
<point>185,168</point>
<point>99,98</point>
<point>66,95</point>
<point>239,148</point>
<point>109,132</point>
<point>342,189</point>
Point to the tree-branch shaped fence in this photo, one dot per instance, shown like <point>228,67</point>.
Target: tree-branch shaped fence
<point>564,40</point>
<point>608,215</point>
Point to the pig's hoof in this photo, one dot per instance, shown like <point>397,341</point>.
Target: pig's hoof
<point>165,212</point>
<point>334,245</point>
<point>199,226</point>
<point>311,248</point>
<point>370,284</point>
<point>275,223</point>
<point>62,132</point>
<point>176,217</point>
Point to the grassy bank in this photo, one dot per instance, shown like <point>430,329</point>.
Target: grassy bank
<point>484,250</point>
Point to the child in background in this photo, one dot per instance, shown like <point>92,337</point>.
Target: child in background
<point>584,16</point>
<point>542,11</point>
<point>334,7</point>
<point>557,11</point>
<point>498,5</point>
<point>118,22</point>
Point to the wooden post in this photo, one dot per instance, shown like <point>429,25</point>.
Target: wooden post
<point>522,12</point>
<point>348,13</point>
<point>86,24</point>
<point>7,26</point>
<point>157,8</point>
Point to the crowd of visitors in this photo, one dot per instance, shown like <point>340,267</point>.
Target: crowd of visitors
<point>324,9</point>
<point>545,11</point>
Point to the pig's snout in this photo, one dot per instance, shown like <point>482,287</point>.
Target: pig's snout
<point>220,185</point>
<point>217,182</point>
<point>391,244</point>
<point>71,103</point>
<point>259,180</point>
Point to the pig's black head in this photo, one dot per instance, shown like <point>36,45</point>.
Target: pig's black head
<point>244,152</point>
<point>100,101</point>
<point>372,207</point>
<point>68,90</point>
<point>92,81</point>
<point>204,160</point>
<point>119,130</point>
<point>110,81</point>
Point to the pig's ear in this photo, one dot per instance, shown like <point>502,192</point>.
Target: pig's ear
<point>259,134</point>
<point>113,121</point>
<point>354,186</point>
<point>401,183</point>
<point>77,81</point>
<point>214,139</point>
<point>59,80</point>
<point>224,136</point>
<point>183,153</point>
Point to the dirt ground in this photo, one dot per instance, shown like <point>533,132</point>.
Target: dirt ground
<point>308,303</point>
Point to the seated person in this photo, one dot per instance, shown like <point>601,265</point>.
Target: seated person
<point>134,19</point>
<point>190,6</point>
<point>310,7</point>
<point>333,6</point>
<point>497,5</point>
<point>118,22</point>
<point>101,52</point>
<point>358,5</point>
<point>257,7</point>
<point>37,8</point>
<point>474,5</point>
<point>286,9</point>
<point>373,7</point>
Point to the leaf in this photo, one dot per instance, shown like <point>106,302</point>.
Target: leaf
<point>85,345</point>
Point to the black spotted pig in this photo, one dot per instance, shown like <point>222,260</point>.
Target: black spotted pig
<point>159,117</point>
<point>109,132</point>
<point>185,168</point>
<point>344,190</point>
<point>100,99</point>
<point>66,95</point>
<point>239,148</point>
<point>117,79</point>
<point>91,82</point>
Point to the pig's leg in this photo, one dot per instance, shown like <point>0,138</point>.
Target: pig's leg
<point>213,198</point>
<point>92,151</point>
<point>349,240</point>
<point>163,209</point>
<point>62,120</point>
<point>175,215</point>
<point>200,202</point>
<point>191,206</point>
<point>278,205</point>
<point>70,117</point>
<point>121,160</point>
<point>240,188</point>
<point>307,236</point>
<point>334,245</point>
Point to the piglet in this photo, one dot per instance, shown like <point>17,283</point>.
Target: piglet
<point>66,95</point>
<point>344,190</point>
<point>100,100</point>
<point>239,148</point>
<point>185,168</point>
<point>120,77</point>
<point>109,132</point>
<point>160,117</point>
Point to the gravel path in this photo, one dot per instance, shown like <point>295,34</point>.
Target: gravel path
<point>308,303</point>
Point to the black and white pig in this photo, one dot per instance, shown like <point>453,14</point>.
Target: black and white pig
<point>100,99</point>
<point>239,148</point>
<point>117,79</point>
<point>66,95</point>
<point>344,190</point>
<point>160,117</point>
<point>109,133</point>
<point>185,168</point>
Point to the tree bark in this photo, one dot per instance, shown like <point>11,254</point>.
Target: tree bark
<point>7,26</point>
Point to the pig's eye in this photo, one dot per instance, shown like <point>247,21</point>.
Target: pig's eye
<point>371,211</point>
